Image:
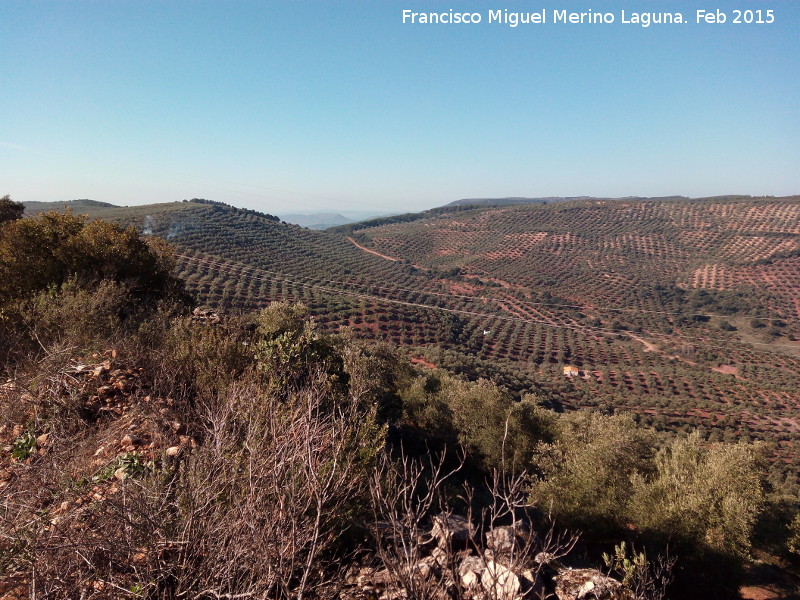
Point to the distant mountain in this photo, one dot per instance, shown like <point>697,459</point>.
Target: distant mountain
<point>79,206</point>
<point>316,220</point>
<point>326,219</point>
<point>546,200</point>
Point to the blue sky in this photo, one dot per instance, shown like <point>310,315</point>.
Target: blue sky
<point>300,105</point>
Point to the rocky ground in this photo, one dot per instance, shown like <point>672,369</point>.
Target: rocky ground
<point>122,431</point>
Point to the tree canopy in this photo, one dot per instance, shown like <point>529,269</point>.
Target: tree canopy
<point>45,251</point>
<point>10,210</point>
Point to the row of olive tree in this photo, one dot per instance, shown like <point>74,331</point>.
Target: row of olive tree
<point>291,422</point>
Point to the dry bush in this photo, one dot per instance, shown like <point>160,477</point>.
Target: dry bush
<point>186,359</point>
<point>648,579</point>
<point>405,495</point>
<point>258,510</point>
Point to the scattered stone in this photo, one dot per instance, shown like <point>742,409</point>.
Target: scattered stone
<point>439,556</point>
<point>105,391</point>
<point>368,576</point>
<point>101,370</point>
<point>205,316</point>
<point>470,571</point>
<point>393,594</point>
<point>130,440</point>
<point>589,584</point>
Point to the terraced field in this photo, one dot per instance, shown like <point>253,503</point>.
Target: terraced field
<point>683,312</point>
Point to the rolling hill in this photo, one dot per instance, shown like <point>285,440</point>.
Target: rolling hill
<point>543,200</point>
<point>685,312</point>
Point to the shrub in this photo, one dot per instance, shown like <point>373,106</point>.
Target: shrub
<point>77,316</point>
<point>702,496</point>
<point>289,345</point>
<point>479,416</point>
<point>586,472</point>
<point>189,359</point>
<point>261,508</point>
<point>793,544</point>
<point>46,251</point>
<point>262,504</point>
<point>703,503</point>
<point>10,210</point>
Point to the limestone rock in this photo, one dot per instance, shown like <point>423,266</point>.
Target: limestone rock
<point>130,440</point>
<point>470,571</point>
<point>500,582</point>
<point>508,541</point>
<point>451,530</point>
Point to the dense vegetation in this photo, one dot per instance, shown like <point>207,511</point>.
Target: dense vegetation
<point>150,453</point>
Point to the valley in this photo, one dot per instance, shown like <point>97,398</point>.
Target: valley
<point>684,312</point>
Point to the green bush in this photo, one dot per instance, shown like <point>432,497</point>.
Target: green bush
<point>702,495</point>
<point>586,471</point>
<point>77,316</point>
<point>480,416</point>
<point>69,283</point>
<point>794,532</point>
<point>48,250</point>
<point>289,350</point>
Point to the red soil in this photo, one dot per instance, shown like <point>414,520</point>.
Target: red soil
<point>422,362</point>
<point>357,245</point>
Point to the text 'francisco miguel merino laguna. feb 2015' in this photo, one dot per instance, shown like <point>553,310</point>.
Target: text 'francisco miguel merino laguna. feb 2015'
<point>589,17</point>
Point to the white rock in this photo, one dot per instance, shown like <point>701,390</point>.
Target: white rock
<point>500,582</point>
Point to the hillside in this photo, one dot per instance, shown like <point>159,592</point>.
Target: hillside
<point>84,206</point>
<point>683,312</point>
<point>543,200</point>
<point>123,409</point>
